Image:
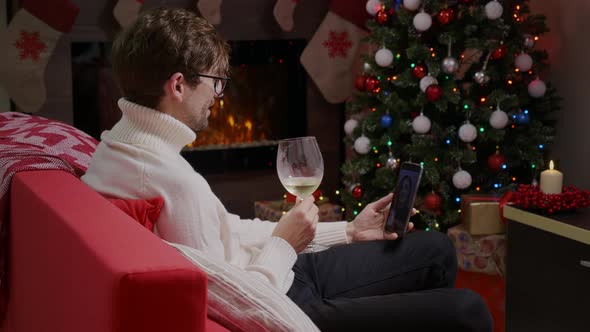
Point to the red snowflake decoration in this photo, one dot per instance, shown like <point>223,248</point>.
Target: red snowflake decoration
<point>338,44</point>
<point>30,45</point>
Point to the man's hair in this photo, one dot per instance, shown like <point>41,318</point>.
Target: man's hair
<point>161,42</point>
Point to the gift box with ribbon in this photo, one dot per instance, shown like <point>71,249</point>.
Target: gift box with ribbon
<point>274,210</point>
<point>480,214</point>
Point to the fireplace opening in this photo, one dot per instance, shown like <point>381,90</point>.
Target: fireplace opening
<point>263,103</point>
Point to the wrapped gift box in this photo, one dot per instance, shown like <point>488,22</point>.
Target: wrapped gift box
<point>273,210</point>
<point>481,214</point>
<point>479,253</point>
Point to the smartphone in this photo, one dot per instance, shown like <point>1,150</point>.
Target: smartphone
<point>403,201</point>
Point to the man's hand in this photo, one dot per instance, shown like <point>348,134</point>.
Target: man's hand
<point>369,224</point>
<point>299,224</point>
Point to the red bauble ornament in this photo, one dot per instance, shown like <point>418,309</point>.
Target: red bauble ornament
<point>499,53</point>
<point>433,93</point>
<point>432,201</point>
<point>445,16</point>
<point>419,71</point>
<point>371,84</point>
<point>357,192</point>
<point>496,161</point>
<point>382,17</point>
<point>359,84</point>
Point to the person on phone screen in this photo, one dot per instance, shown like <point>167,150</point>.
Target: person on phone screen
<point>171,65</point>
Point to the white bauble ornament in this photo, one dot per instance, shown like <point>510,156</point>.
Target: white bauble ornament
<point>529,41</point>
<point>373,6</point>
<point>391,162</point>
<point>412,5</point>
<point>450,65</point>
<point>384,57</point>
<point>523,62</point>
<point>462,179</point>
<point>537,88</point>
<point>427,81</point>
<point>467,133</point>
<point>422,21</point>
<point>494,10</point>
<point>498,119</point>
<point>481,77</point>
<point>362,145</point>
<point>350,125</point>
<point>421,124</point>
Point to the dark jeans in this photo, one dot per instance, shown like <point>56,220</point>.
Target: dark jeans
<point>402,285</point>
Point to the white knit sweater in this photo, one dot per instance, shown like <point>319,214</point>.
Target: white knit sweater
<point>140,158</point>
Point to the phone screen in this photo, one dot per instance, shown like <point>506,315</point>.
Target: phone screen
<point>403,202</point>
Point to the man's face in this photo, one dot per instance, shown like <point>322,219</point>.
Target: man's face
<point>196,106</point>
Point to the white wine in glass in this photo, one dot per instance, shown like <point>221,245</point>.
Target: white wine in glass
<point>300,168</point>
<point>300,165</point>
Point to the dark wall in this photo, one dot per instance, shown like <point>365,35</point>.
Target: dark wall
<point>241,20</point>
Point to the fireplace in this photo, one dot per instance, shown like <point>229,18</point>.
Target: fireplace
<point>264,102</point>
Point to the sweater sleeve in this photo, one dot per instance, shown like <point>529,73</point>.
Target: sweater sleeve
<point>331,233</point>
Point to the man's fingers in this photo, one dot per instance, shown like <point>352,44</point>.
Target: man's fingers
<point>415,212</point>
<point>410,226</point>
<point>307,203</point>
<point>383,202</point>
<point>390,236</point>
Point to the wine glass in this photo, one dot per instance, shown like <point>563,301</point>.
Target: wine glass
<point>300,166</point>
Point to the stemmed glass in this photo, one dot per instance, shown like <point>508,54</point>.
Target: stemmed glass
<point>300,166</point>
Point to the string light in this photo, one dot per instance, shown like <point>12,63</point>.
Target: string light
<point>504,166</point>
<point>473,148</point>
<point>389,143</point>
<point>342,209</point>
<point>483,100</point>
<point>337,192</point>
<point>541,146</point>
<point>455,89</point>
<point>433,55</point>
<point>459,210</point>
<point>284,212</point>
<point>285,196</point>
<point>398,56</point>
<point>321,198</point>
<point>481,129</point>
<point>413,65</point>
<point>374,109</point>
<point>536,38</point>
<point>360,204</point>
<point>355,212</point>
<point>514,179</point>
<point>509,82</point>
<point>533,166</point>
<point>422,164</point>
<point>436,159</point>
<point>378,165</point>
<point>428,229</point>
<point>477,189</point>
<point>395,78</point>
<point>376,151</point>
<point>466,106</point>
<point>457,199</point>
<point>448,141</point>
<point>516,70</point>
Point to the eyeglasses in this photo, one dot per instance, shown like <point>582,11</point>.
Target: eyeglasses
<point>219,83</point>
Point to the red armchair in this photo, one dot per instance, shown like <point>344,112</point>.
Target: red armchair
<point>78,263</point>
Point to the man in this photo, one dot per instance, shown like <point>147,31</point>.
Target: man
<point>171,65</point>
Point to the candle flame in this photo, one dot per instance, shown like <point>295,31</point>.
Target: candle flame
<point>551,165</point>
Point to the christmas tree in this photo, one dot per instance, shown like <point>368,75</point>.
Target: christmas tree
<point>458,87</point>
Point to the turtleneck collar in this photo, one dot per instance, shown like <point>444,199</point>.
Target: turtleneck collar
<point>148,127</point>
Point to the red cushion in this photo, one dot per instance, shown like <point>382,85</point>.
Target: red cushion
<point>144,211</point>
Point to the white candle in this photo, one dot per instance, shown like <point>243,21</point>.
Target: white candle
<point>551,180</point>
